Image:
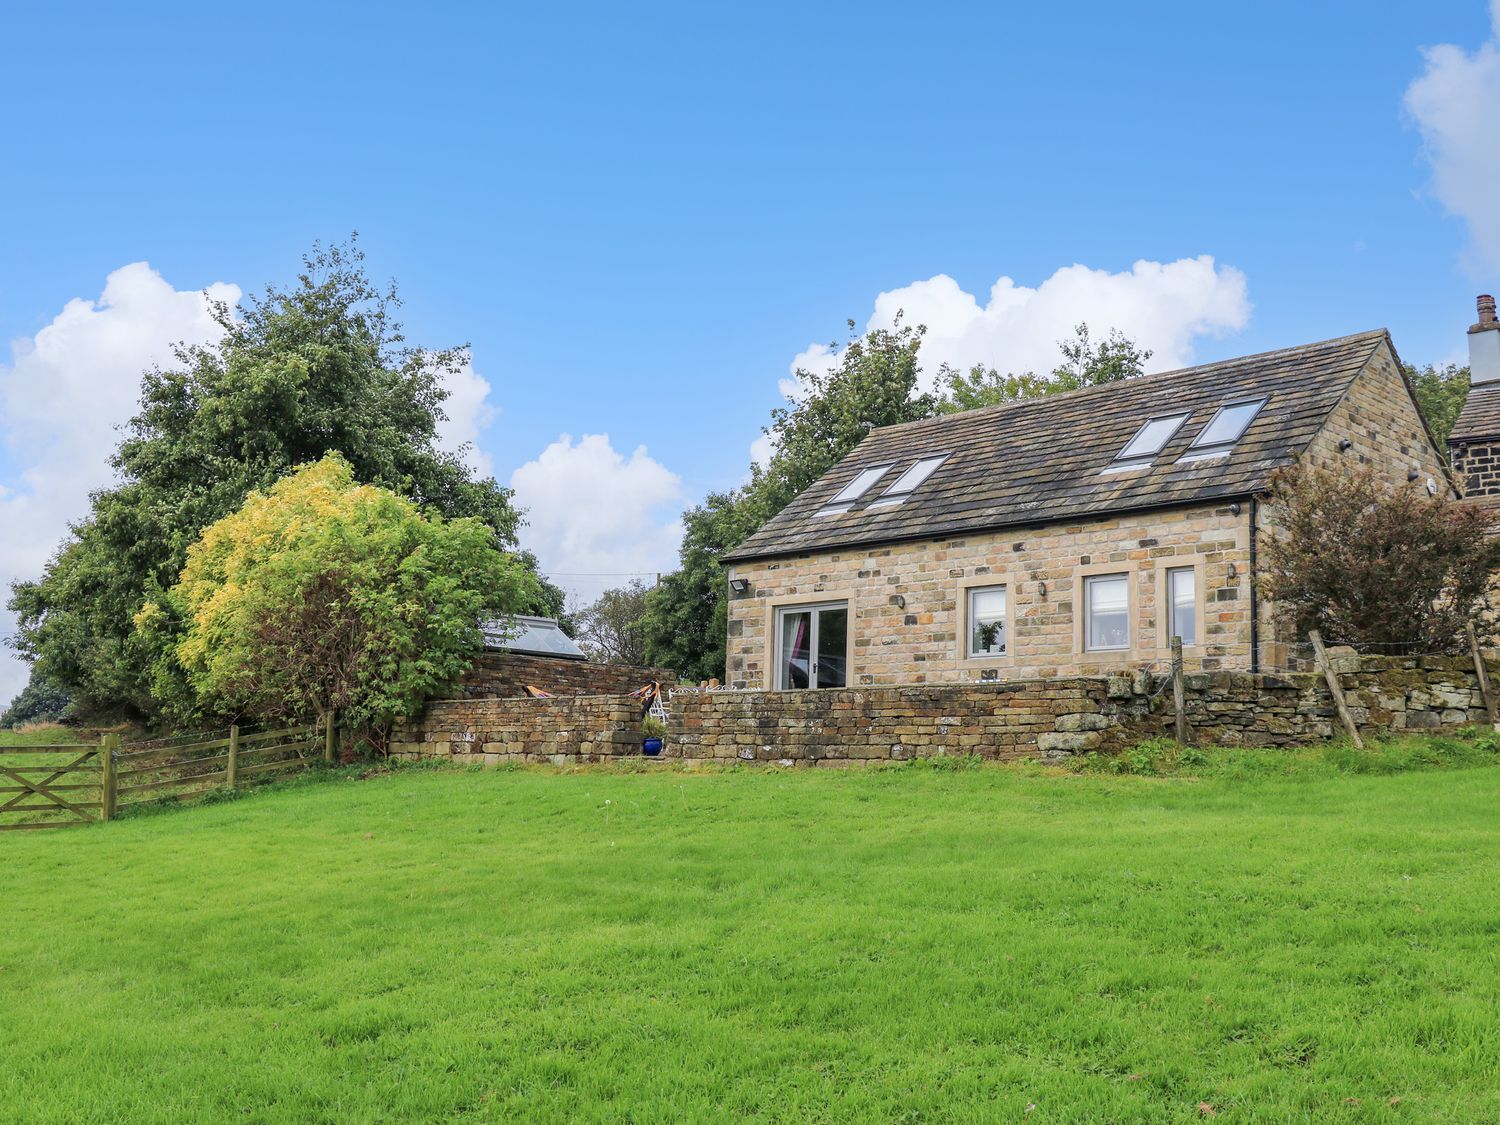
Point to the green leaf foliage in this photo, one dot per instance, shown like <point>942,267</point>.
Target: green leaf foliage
<point>323,594</point>
<point>610,627</point>
<point>314,367</point>
<point>1374,566</point>
<point>39,701</point>
<point>1086,363</point>
<point>1441,392</point>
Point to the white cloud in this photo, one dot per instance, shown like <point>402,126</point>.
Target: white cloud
<point>61,397</point>
<point>1454,104</point>
<point>761,450</point>
<point>469,411</point>
<point>1165,307</point>
<point>594,516</point>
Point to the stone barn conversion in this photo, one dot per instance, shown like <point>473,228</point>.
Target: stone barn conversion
<point>1006,582</point>
<point>1064,536</point>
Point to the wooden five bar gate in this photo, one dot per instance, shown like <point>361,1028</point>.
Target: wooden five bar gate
<point>80,783</point>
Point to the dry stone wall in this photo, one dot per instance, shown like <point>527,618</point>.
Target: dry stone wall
<point>509,673</point>
<point>560,730</point>
<point>1386,695</point>
<point>1045,719</point>
<point>1004,720</point>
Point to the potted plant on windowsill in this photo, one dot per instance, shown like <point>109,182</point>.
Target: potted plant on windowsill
<point>653,730</point>
<point>986,637</point>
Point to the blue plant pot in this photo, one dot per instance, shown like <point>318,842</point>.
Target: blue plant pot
<point>651,747</point>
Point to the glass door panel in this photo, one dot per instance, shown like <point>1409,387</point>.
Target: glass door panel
<point>812,647</point>
<point>832,646</point>
<point>794,648</point>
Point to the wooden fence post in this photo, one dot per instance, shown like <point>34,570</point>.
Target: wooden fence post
<point>1335,688</point>
<point>109,745</point>
<point>328,739</point>
<point>1483,672</point>
<point>232,768</point>
<point>1179,690</point>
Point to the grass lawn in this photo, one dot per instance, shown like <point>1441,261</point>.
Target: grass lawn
<point>1275,943</point>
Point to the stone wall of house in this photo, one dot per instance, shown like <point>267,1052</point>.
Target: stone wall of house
<point>1381,421</point>
<point>907,601</point>
<point>1045,719</point>
<point>509,673</point>
<point>1477,467</point>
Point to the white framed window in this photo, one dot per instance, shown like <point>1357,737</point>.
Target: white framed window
<point>1182,604</point>
<point>987,621</point>
<point>1106,612</point>
<point>812,646</point>
<point>1224,430</point>
<point>854,490</point>
<point>904,485</point>
<point>1147,443</point>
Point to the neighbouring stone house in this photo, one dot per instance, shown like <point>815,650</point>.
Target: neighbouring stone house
<point>1474,443</point>
<point>1069,535</point>
<point>534,652</point>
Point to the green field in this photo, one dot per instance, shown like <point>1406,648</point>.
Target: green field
<point>1278,940</point>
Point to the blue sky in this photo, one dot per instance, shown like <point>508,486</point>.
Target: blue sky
<point>639,217</point>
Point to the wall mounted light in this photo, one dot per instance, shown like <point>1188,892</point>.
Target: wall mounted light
<point>898,601</point>
<point>1041,588</point>
<point>1345,445</point>
<point>1411,475</point>
<point>1234,571</point>
<point>1234,509</point>
<point>739,585</point>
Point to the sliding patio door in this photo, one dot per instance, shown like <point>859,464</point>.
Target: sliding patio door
<point>812,646</point>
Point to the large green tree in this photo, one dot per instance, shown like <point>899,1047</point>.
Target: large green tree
<point>609,628</point>
<point>1086,362</point>
<point>325,595</point>
<point>1441,391</point>
<point>39,701</point>
<point>316,366</point>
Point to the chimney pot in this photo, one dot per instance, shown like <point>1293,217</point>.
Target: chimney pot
<point>1484,344</point>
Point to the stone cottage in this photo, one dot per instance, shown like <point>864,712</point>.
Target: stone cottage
<point>1068,535</point>
<point>1474,444</point>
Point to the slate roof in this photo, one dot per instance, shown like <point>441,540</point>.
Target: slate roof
<point>534,636</point>
<point>1480,417</point>
<point>1039,461</point>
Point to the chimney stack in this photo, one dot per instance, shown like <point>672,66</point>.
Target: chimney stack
<point>1484,344</point>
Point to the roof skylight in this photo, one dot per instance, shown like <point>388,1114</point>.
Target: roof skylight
<point>853,490</point>
<point>1224,429</point>
<point>1147,443</point>
<point>904,485</point>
